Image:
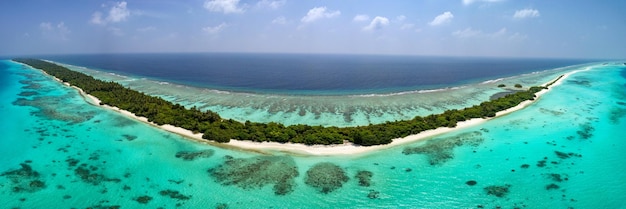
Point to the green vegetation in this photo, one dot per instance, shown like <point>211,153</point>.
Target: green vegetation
<point>213,127</point>
<point>518,85</point>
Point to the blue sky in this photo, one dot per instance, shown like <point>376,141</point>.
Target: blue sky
<point>502,28</point>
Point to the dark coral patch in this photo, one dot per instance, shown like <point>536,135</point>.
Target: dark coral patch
<point>555,177</point>
<point>25,171</point>
<point>498,191</point>
<point>617,113</point>
<point>129,137</point>
<point>71,162</point>
<point>365,178</point>
<point>552,187</point>
<point>24,179</point>
<point>221,206</point>
<point>564,155</point>
<point>174,194</point>
<point>143,199</point>
<point>105,207</point>
<point>28,93</point>
<point>584,83</point>
<point>326,177</point>
<point>192,155</point>
<point>37,184</point>
<point>441,150</point>
<point>257,172</point>
<point>541,163</point>
<point>471,182</point>
<point>86,174</point>
<point>586,131</point>
<point>52,107</point>
<point>373,194</point>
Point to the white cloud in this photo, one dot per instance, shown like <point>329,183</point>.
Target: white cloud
<point>401,18</point>
<point>500,34</point>
<point>225,6</point>
<point>45,26</point>
<point>526,13</point>
<point>468,2</point>
<point>361,18</point>
<point>214,29</point>
<point>318,13</point>
<point>280,20</point>
<point>271,4</point>
<point>54,32</point>
<point>443,18</point>
<point>467,33</point>
<point>118,12</point>
<point>96,18</point>
<point>377,23</point>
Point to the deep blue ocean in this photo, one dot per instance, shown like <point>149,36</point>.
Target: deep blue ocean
<point>305,74</point>
<point>566,150</point>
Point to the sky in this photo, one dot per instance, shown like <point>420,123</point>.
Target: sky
<point>485,28</point>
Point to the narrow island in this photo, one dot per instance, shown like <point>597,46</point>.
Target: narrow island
<point>209,125</point>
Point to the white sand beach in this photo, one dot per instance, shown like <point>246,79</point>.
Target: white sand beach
<point>350,149</point>
<point>324,150</point>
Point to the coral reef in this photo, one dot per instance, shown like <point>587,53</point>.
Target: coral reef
<point>441,150</point>
<point>498,191</point>
<point>192,155</point>
<point>326,177</point>
<point>365,178</point>
<point>257,172</point>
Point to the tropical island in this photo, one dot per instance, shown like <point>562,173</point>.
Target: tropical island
<point>212,127</point>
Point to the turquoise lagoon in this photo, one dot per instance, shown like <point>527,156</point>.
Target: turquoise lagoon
<point>326,110</point>
<point>564,151</point>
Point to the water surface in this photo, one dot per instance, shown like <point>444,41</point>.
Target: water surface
<point>566,150</point>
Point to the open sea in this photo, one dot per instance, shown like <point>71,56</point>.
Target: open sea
<point>327,90</point>
<point>564,151</point>
<point>311,74</point>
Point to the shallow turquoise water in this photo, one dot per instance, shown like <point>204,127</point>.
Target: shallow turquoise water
<point>84,156</point>
<point>345,110</point>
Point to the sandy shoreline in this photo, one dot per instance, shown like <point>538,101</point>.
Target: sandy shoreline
<point>320,150</point>
<point>350,149</point>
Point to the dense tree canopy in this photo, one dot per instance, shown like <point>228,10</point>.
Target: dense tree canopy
<point>213,127</point>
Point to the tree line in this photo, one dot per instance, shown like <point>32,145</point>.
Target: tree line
<point>213,127</point>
